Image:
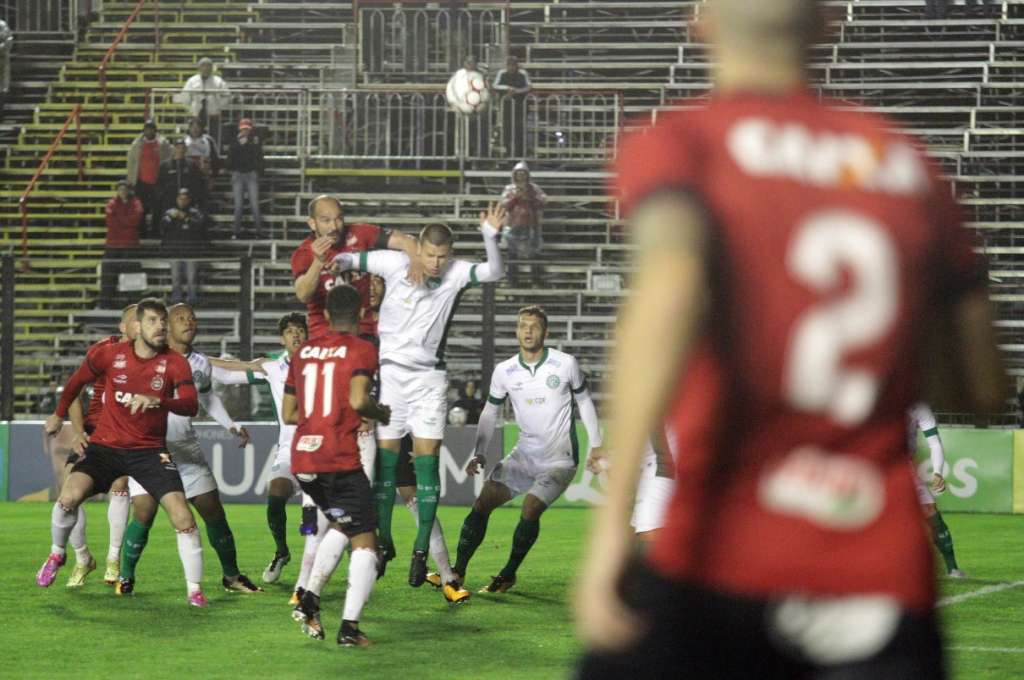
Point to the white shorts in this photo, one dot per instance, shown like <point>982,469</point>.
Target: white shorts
<point>523,473</point>
<point>196,475</point>
<point>282,467</point>
<point>418,399</point>
<point>653,494</point>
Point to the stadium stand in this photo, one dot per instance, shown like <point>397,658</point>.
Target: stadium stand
<point>396,157</point>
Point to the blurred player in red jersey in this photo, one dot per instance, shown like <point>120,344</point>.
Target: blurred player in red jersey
<point>145,380</point>
<point>791,260</point>
<point>311,261</point>
<point>327,395</point>
<point>84,422</point>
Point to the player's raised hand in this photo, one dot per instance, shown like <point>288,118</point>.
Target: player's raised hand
<point>384,416</point>
<point>53,425</point>
<point>597,460</point>
<point>321,246</point>
<point>493,220</point>
<point>476,464</point>
<point>142,402</point>
<point>243,436</point>
<point>938,483</point>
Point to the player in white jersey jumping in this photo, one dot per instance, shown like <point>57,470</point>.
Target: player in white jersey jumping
<point>196,476</point>
<point>413,327</point>
<point>545,386</point>
<point>922,418</point>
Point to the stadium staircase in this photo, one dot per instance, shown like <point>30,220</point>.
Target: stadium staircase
<point>954,82</point>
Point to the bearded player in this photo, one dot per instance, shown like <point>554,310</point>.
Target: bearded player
<point>196,476</point>
<point>791,259</point>
<point>327,394</point>
<point>546,387</point>
<point>145,380</point>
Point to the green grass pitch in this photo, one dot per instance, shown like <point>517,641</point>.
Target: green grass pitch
<point>526,633</point>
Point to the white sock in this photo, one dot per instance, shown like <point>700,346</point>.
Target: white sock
<point>190,550</point>
<point>309,550</point>
<point>307,499</point>
<point>362,574</point>
<point>328,555</point>
<point>117,517</point>
<point>438,547</point>
<point>368,453</point>
<point>61,523</point>
<point>77,537</point>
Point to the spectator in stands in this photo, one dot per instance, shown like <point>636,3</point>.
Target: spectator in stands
<point>524,201</point>
<point>6,45</point>
<point>177,174</point>
<point>983,7</point>
<point>206,95</point>
<point>46,402</point>
<point>124,213</point>
<point>184,229</point>
<point>935,9</point>
<point>513,83</point>
<point>202,152</point>
<point>469,402</point>
<point>145,155</point>
<point>245,161</point>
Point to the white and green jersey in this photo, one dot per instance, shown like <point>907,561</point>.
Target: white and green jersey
<point>414,319</point>
<point>923,418</point>
<point>273,372</point>
<point>179,428</point>
<point>542,396</point>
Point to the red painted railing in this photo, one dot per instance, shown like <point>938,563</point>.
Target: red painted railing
<point>117,41</point>
<point>75,115</point>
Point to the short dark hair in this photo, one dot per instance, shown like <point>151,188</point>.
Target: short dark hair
<point>537,311</point>
<point>292,319</point>
<point>437,234</point>
<point>343,303</point>
<point>324,197</point>
<point>152,304</point>
<point>149,124</point>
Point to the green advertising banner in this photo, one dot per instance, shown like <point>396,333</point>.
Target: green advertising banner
<point>979,469</point>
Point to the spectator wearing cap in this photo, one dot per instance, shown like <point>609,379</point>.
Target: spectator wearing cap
<point>124,213</point>
<point>245,162</point>
<point>206,95</point>
<point>184,230</point>
<point>177,174</point>
<point>145,155</point>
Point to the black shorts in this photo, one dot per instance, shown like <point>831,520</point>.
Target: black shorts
<point>405,473</point>
<point>154,469</point>
<point>698,633</point>
<point>345,498</point>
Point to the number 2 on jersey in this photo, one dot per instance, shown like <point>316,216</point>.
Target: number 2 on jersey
<point>309,385</point>
<point>824,246</point>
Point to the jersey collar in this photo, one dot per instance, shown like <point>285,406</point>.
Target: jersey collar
<point>533,371</point>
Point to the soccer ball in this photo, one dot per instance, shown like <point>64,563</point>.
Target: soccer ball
<point>467,92</point>
<point>457,416</point>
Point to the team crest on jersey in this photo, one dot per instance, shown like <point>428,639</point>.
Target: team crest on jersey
<point>309,442</point>
<point>199,378</point>
<point>120,379</point>
<point>553,381</point>
<point>156,383</point>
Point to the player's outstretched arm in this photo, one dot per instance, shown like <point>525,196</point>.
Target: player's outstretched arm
<point>185,401</point>
<point>77,415</point>
<point>214,407</point>
<point>360,398</point>
<point>490,225</point>
<point>410,246</point>
<point>588,414</point>
<point>85,375</point>
<point>306,283</point>
<point>484,434</point>
<point>664,311</point>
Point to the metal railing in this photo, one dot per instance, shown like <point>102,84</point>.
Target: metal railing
<point>42,16</point>
<point>76,116</point>
<point>420,126</point>
<point>102,70</point>
<point>410,39</point>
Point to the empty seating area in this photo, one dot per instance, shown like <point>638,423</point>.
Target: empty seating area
<point>352,95</point>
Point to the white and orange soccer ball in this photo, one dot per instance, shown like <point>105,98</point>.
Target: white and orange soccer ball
<point>467,92</point>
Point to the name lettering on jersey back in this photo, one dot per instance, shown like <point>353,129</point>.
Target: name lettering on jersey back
<point>312,352</point>
<point>768,149</point>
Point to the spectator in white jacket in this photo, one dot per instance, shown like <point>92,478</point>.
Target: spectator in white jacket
<point>206,95</point>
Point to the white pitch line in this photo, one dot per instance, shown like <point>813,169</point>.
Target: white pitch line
<point>980,592</point>
<point>991,650</point>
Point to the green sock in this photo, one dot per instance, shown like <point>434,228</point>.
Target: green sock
<point>943,540</point>
<point>428,488</point>
<point>223,541</point>
<point>384,492</point>
<point>474,528</point>
<point>136,535</point>
<point>522,540</point>
<point>277,520</point>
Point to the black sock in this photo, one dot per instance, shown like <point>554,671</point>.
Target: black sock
<point>474,528</point>
<point>522,540</point>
